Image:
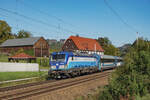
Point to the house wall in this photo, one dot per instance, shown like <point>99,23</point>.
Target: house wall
<point>14,67</point>
<point>69,46</point>
<point>14,49</point>
<point>41,48</point>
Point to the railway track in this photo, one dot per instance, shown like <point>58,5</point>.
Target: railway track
<point>24,85</point>
<point>21,92</point>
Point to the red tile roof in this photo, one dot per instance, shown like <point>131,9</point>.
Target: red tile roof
<point>22,56</point>
<point>86,43</point>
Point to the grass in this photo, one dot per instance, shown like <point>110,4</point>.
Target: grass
<point>39,79</point>
<point>5,76</point>
<point>47,67</point>
<point>93,95</point>
<point>3,58</point>
<point>146,97</point>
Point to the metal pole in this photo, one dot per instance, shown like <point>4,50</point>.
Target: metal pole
<point>41,53</point>
<point>137,38</point>
<point>34,51</point>
<point>95,48</point>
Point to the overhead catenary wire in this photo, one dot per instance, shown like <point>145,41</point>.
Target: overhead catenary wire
<point>53,16</point>
<point>40,22</point>
<point>47,14</point>
<point>36,20</point>
<point>4,16</point>
<point>17,27</point>
<point>119,17</point>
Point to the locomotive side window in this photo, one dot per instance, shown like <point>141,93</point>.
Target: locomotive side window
<point>72,58</point>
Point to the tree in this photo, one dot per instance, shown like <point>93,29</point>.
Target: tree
<point>133,78</point>
<point>5,31</point>
<point>23,34</point>
<point>124,49</point>
<point>109,49</point>
<point>104,41</point>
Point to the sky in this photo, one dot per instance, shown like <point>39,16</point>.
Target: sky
<point>119,20</point>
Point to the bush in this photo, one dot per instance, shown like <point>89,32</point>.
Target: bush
<point>43,61</point>
<point>133,78</point>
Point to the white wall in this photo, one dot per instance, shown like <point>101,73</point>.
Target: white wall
<point>14,67</point>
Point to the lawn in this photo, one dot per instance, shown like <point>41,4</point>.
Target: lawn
<point>4,76</point>
<point>3,58</point>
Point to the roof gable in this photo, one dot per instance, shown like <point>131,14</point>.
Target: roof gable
<point>20,42</point>
<point>86,43</point>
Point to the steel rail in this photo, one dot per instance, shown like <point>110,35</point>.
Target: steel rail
<point>41,90</point>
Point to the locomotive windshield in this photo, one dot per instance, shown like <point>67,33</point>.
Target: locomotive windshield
<point>58,57</point>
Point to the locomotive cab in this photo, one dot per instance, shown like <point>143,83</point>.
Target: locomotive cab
<point>57,61</point>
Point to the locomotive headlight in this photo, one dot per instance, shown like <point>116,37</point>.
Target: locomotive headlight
<point>53,67</point>
<point>61,66</point>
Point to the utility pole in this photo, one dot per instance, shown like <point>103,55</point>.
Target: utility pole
<point>137,38</point>
<point>95,48</point>
<point>34,51</point>
<point>41,53</point>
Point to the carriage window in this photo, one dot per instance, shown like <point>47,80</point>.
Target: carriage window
<point>108,60</point>
<point>119,60</point>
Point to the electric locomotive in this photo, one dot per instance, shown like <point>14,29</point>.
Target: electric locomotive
<point>70,64</point>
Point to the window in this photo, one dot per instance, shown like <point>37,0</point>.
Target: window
<point>108,60</point>
<point>58,57</point>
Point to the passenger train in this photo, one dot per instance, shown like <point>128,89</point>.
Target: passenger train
<point>70,64</point>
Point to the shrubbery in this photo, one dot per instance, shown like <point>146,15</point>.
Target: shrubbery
<point>133,78</point>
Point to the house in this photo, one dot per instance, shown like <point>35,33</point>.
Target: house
<point>51,41</point>
<point>38,45</point>
<point>83,45</point>
<point>62,40</point>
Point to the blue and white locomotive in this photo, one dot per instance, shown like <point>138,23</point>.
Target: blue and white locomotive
<point>69,64</point>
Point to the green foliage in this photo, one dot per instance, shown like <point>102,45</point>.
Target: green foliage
<point>80,98</point>
<point>104,41</point>
<point>133,78</point>
<point>23,34</point>
<point>20,51</point>
<point>5,31</point>
<point>109,49</point>
<point>29,52</point>
<point>124,49</point>
<point>141,44</point>
<point>3,58</point>
<point>55,47</point>
<point>4,76</point>
<point>44,61</point>
<point>146,97</point>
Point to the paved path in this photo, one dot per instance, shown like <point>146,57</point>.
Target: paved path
<point>18,80</point>
<point>43,69</point>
